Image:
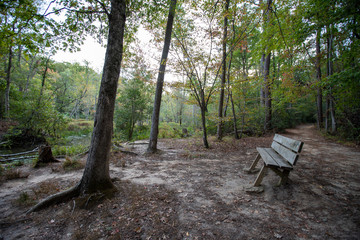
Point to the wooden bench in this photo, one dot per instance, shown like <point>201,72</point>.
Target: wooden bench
<point>280,158</point>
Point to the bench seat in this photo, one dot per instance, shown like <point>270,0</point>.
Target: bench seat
<point>272,158</point>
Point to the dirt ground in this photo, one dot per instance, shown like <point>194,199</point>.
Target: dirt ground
<point>187,192</point>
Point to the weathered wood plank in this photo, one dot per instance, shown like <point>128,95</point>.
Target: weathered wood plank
<point>260,176</point>
<point>21,158</point>
<point>19,154</point>
<point>292,144</point>
<point>266,157</point>
<point>271,158</point>
<point>253,165</point>
<point>286,153</point>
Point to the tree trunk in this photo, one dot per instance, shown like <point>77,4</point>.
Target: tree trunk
<point>8,81</point>
<point>160,80</point>
<point>331,107</point>
<point>262,74</point>
<point>203,121</point>
<point>223,75</point>
<point>96,175</point>
<point>267,81</point>
<point>234,117</point>
<point>318,76</point>
<point>327,113</point>
<point>267,93</point>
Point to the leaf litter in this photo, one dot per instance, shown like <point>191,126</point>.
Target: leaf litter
<point>187,192</point>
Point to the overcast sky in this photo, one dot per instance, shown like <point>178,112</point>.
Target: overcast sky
<point>91,51</point>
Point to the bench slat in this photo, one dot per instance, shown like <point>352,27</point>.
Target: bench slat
<point>286,153</point>
<point>292,144</point>
<point>271,158</point>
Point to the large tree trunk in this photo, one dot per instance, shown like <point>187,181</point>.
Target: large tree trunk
<point>223,75</point>
<point>96,174</point>
<point>267,81</point>
<point>318,76</point>
<point>203,121</point>
<point>267,93</point>
<point>8,81</point>
<point>331,107</point>
<point>262,74</point>
<point>160,80</point>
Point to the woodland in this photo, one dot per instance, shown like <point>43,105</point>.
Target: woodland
<point>216,69</point>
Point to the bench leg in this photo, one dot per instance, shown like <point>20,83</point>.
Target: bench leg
<point>253,165</point>
<point>285,177</point>
<point>260,176</point>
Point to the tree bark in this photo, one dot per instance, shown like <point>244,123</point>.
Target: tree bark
<point>267,93</point>
<point>160,81</point>
<point>262,74</point>
<point>318,76</point>
<point>203,121</point>
<point>223,75</point>
<point>8,81</point>
<point>329,73</point>
<point>96,174</point>
<point>267,81</point>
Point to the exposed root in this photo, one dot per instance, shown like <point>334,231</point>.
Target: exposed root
<point>56,198</point>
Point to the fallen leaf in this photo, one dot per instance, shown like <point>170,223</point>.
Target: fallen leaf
<point>138,229</point>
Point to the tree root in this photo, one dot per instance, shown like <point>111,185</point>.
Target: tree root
<point>56,198</point>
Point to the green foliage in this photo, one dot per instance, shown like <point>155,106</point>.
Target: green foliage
<point>170,130</point>
<point>69,150</point>
<point>77,127</point>
<point>133,105</point>
<point>45,96</point>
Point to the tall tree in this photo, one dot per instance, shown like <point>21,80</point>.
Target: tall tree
<point>330,108</point>
<point>96,174</point>
<point>160,80</point>
<point>267,79</point>
<point>319,100</point>
<point>223,75</point>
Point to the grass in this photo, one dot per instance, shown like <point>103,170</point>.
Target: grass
<point>24,199</point>
<point>13,173</point>
<point>73,150</point>
<point>70,164</point>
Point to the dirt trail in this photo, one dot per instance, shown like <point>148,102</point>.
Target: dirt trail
<point>187,192</point>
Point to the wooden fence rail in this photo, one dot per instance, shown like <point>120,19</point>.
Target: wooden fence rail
<point>22,156</point>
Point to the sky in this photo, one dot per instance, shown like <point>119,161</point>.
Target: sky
<point>94,53</point>
<point>91,51</point>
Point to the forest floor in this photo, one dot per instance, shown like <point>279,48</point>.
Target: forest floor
<point>188,192</point>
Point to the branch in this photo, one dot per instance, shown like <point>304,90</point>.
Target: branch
<point>103,7</point>
<point>281,32</point>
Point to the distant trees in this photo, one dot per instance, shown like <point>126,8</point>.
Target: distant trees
<point>19,21</point>
<point>133,103</point>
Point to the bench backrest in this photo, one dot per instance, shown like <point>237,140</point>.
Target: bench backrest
<point>288,148</point>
